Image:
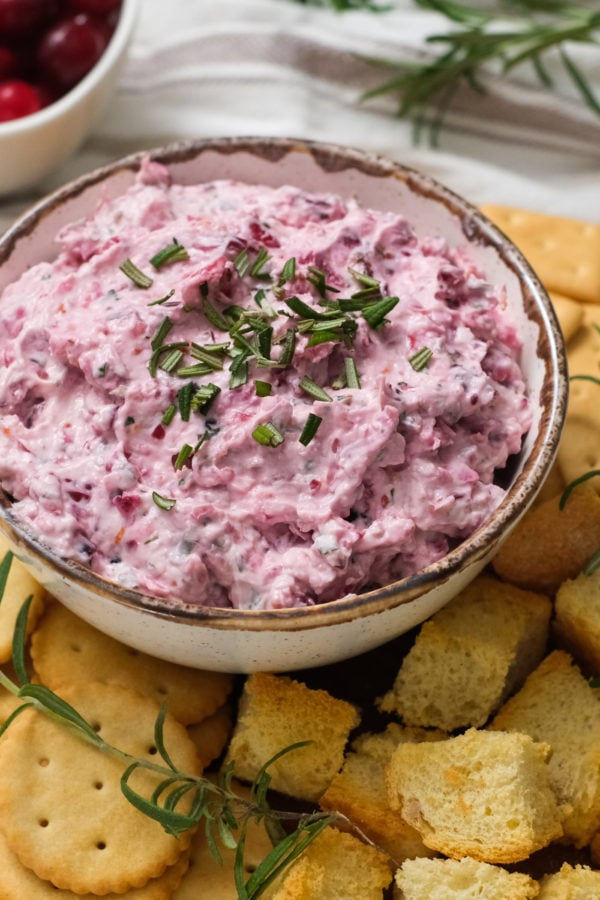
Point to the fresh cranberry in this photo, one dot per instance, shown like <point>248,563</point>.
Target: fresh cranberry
<point>17,99</point>
<point>18,18</point>
<point>70,49</point>
<point>9,63</point>
<point>95,7</point>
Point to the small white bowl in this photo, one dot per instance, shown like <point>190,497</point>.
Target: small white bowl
<point>278,640</point>
<point>32,146</point>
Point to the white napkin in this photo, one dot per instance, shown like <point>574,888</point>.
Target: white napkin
<point>274,67</point>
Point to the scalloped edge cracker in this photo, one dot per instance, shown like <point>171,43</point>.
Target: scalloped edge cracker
<point>19,586</point>
<point>569,312</point>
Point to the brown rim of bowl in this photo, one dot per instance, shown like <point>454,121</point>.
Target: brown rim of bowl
<point>476,227</point>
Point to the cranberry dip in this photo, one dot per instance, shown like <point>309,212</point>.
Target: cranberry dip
<point>235,395</point>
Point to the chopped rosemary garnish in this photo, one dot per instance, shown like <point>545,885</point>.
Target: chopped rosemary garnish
<point>263,388</point>
<point>351,372</point>
<point>288,273</point>
<point>163,299</point>
<point>129,421</point>
<point>367,281</point>
<point>375,313</point>
<point>268,435</point>
<point>169,414</point>
<point>307,385</point>
<point>184,400</point>
<point>420,359</point>
<point>182,457</point>
<point>163,502</point>
<point>209,357</point>
<point>136,275</point>
<point>241,263</point>
<point>174,252</point>
<point>256,270</point>
<point>239,370</point>
<point>194,370</point>
<point>318,278</point>
<point>163,330</point>
<point>214,316</point>
<point>171,360</point>
<point>311,427</point>
<point>303,309</point>
<point>288,346</point>
<point>204,396</point>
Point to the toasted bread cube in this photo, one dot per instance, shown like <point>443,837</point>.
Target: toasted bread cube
<point>336,865</point>
<point>470,656</point>
<point>571,883</point>
<point>481,794</point>
<point>275,712</point>
<point>359,792</point>
<point>445,879</point>
<point>557,706</point>
<point>577,620</point>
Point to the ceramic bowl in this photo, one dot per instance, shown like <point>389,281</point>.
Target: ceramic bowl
<point>278,640</point>
<point>31,147</point>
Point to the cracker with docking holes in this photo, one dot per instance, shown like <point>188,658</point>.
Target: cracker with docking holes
<point>19,586</point>
<point>19,882</point>
<point>579,449</point>
<point>62,809</point>
<point>212,734</point>
<point>565,253</point>
<point>569,313</point>
<point>67,650</point>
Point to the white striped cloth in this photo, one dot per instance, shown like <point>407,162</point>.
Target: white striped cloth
<point>200,68</point>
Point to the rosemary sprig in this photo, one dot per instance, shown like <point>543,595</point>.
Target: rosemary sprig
<point>215,803</point>
<point>512,33</point>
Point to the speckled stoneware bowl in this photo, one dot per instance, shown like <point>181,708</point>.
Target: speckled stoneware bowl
<point>244,641</point>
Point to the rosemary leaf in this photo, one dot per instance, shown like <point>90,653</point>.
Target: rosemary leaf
<point>136,275</point>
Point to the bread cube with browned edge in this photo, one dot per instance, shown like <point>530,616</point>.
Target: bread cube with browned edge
<point>461,879</point>
<point>336,866</point>
<point>577,620</point>
<point>470,656</point>
<point>482,794</point>
<point>571,883</point>
<point>277,711</point>
<point>359,791</point>
<point>557,706</point>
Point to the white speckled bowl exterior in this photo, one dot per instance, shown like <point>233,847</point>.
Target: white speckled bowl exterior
<point>279,640</point>
<point>31,147</point>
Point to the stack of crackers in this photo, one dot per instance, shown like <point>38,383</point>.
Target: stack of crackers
<point>468,760</point>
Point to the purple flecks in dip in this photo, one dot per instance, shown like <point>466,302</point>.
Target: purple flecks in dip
<point>131,419</point>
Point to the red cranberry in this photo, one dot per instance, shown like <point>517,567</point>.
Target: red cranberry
<point>18,18</point>
<point>17,99</point>
<point>9,63</point>
<point>95,7</point>
<point>70,49</point>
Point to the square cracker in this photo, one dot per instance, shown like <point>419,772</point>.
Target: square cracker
<point>564,252</point>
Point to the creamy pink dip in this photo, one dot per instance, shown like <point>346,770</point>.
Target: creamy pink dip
<point>118,456</point>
